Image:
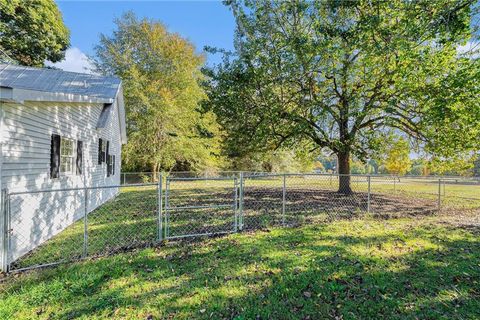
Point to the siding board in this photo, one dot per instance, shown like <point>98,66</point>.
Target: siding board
<point>26,135</point>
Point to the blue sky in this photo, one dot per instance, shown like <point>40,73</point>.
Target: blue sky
<point>201,22</point>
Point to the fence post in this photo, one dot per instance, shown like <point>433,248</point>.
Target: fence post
<point>85,222</point>
<point>368,199</point>
<point>235,203</point>
<point>160,206</point>
<point>284,194</point>
<point>240,205</point>
<point>4,230</point>
<point>167,187</point>
<point>395,184</point>
<point>439,200</point>
<point>124,178</point>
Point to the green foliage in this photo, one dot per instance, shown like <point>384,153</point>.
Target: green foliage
<point>282,160</point>
<point>461,164</point>
<point>32,31</point>
<point>420,167</point>
<point>476,167</point>
<point>289,161</point>
<point>358,167</point>
<point>161,82</point>
<point>398,157</point>
<point>417,170</point>
<point>339,74</point>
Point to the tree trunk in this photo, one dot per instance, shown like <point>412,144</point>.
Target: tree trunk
<point>344,172</point>
<point>154,168</point>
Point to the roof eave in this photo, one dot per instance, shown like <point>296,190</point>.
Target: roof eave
<point>21,95</point>
<point>121,114</point>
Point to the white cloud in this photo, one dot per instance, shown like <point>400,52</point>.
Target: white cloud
<point>75,60</point>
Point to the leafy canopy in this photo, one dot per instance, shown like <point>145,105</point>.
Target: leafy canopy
<point>32,31</point>
<point>339,74</point>
<point>161,75</point>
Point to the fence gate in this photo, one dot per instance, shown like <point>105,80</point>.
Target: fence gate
<point>200,206</point>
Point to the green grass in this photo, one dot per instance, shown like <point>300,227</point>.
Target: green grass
<point>130,219</point>
<point>366,268</point>
<point>408,267</point>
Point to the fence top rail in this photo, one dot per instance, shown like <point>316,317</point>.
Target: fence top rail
<point>83,188</point>
<point>251,173</point>
<point>262,175</point>
<point>169,178</point>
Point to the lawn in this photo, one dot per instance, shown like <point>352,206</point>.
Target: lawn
<point>333,260</point>
<point>366,268</point>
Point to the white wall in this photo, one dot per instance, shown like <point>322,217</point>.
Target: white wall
<point>26,141</point>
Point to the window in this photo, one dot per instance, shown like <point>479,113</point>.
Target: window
<point>67,155</point>
<point>111,166</point>
<point>103,151</point>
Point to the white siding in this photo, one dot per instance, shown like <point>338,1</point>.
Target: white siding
<point>26,141</point>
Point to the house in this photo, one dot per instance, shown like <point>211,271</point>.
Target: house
<point>58,130</point>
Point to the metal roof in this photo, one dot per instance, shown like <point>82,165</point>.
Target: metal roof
<point>58,81</point>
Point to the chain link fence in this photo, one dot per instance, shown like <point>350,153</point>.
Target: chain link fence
<point>56,226</point>
<point>48,227</point>
<point>200,206</point>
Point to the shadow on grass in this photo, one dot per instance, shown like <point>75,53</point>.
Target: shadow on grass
<point>131,219</point>
<point>348,269</point>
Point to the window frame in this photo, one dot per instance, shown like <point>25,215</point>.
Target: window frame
<point>104,152</point>
<point>72,157</point>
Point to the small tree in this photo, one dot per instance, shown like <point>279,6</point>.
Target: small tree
<point>32,31</point>
<point>398,157</point>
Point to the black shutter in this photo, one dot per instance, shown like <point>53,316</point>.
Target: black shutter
<point>107,156</point>
<point>113,165</point>
<point>100,142</point>
<point>55,157</point>
<point>79,157</point>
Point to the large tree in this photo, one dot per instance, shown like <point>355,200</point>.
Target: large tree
<point>161,80</point>
<point>32,31</point>
<point>339,73</point>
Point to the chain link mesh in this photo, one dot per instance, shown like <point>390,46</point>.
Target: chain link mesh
<point>199,206</point>
<point>48,227</point>
<point>127,220</point>
<point>45,219</point>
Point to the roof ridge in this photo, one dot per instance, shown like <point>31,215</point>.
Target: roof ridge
<point>58,70</point>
